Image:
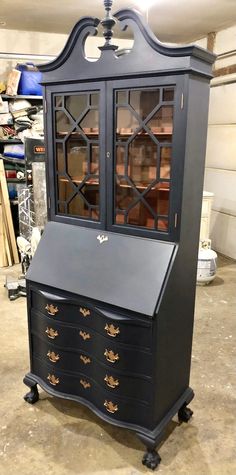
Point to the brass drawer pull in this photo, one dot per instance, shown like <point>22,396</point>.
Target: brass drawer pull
<point>111,330</point>
<point>53,380</point>
<point>85,359</point>
<point>110,356</point>
<point>85,384</point>
<point>51,309</point>
<point>84,335</point>
<point>85,311</point>
<point>111,382</point>
<point>53,356</point>
<point>110,406</point>
<point>51,333</point>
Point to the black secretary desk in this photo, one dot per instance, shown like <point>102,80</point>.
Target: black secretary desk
<point>111,287</point>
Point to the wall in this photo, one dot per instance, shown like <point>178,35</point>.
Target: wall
<point>32,42</point>
<point>220,172</point>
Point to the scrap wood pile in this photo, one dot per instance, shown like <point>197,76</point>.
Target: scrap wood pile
<point>8,247</point>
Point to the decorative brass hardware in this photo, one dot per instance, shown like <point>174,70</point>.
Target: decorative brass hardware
<point>51,333</point>
<point>111,382</point>
<point>110,356</point>
<point>85,384</point>
<point>111,330</point>
<point>110,407</point>
<point>85,359</point>
<point>85,312</point>
<point>51,309</point>
<point>53,380</point>
<point>53,356</point>
<point>85,336</point>
<point>102,238</point>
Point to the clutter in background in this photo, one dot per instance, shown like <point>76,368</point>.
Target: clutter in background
<point>206,268</point>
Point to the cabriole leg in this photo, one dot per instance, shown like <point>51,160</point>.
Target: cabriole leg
<point>151,459</point>
<point>184,413</point>
<point>32,396</point>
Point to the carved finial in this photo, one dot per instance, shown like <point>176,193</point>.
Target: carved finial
<point>108,22</point>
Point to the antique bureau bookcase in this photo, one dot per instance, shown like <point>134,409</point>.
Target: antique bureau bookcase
<point>111,287</point>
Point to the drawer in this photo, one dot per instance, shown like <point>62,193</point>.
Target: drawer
<point>114,326</point>
<point>84,387</point>
<point>107,378</point>
<point>79,338</point>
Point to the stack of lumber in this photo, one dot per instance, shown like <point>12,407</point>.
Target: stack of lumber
<point>8,247</point>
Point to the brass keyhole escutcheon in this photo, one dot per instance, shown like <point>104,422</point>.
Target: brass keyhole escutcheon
<point>51,309</point>
<point>112,330</point>
<point>52,356</point>
<point>111,382</point>
<point>110,406</point>
<point>53,379</point>
<point>51,333</point>
<point>111,356</point>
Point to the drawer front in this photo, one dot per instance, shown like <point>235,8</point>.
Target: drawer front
<point>110,325</point>
<point>86,388</point>
<point>107,378</point>
<point>81,338</point>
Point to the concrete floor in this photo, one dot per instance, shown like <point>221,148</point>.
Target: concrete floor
<point>56,437</point>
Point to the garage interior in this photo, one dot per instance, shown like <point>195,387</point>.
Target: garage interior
<point>61,436</point>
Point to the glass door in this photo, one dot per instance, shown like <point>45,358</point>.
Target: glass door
<point>77,150</point>
<point>141,171</point>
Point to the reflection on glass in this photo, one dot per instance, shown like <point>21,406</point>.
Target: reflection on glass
<point>76,104</point>
<point>63,124</point>
<point>94,165</point>
<point>142,163</point>
<point>78,207</point>
<point>58,101</point>
<point>90,191</point>
<point>143,102</point>
<point>168,94</point>
<point>140,215</point>
<point>120,160</point>
<point>77,155</point>
<point>126,121</point>
<point>143,157</point>
<point>165,162</point>
<point>125,194</point>
<point>60,158</point>
<point>89,124</point>
<point>121,97</point>
<point>76,158</point>
<point>162,121</point>
<point>65,188</point>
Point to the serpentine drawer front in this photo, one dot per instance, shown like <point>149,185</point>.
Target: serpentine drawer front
<point>107,378</point>
<point>109,352</point>
<point>86,388</point>
<point>109,324</point>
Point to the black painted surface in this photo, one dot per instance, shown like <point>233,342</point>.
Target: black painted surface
<point>124,271</point>
<point>71,337</point>
<point>85,363</point>
<point>131,412</point>
<point>90,316</point>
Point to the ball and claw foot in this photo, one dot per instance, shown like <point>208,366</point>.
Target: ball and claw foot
<point>185,414</point>
<point>151,459</point>
<point>32,396</point>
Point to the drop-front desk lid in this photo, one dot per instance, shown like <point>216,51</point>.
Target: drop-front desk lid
<point>116,269</point>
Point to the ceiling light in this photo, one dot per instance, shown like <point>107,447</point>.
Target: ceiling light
<point>3,23</point>
<point>145,4</point>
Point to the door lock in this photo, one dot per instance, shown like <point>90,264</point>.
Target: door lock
<point>108,154</point>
